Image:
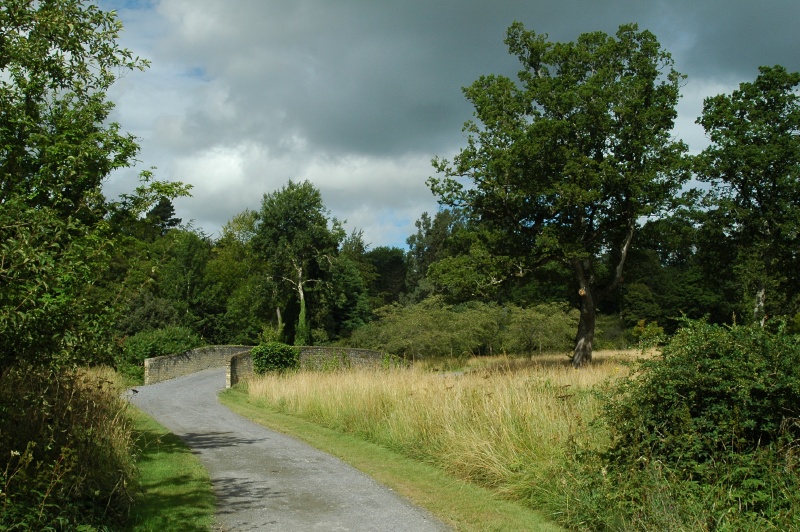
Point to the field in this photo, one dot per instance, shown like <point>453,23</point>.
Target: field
<point>499,422</point>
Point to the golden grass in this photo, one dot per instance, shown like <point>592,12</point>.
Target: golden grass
<point>500,422</point>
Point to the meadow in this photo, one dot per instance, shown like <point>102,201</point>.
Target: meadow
<point>499,422</point>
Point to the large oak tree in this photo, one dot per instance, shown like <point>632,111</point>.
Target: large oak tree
<point>568,161</point>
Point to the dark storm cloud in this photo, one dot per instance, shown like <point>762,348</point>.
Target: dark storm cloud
<point>385,78</point>
<point>245,94</point>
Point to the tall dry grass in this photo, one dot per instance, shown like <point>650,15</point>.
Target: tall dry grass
<point>501,422</point>
<point>65,449</point>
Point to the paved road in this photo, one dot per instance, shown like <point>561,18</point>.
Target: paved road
<point>265,480</point>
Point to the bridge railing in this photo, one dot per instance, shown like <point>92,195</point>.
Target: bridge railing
<point>239,363</point>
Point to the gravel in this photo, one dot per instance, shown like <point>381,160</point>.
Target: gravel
<point>265,480</point>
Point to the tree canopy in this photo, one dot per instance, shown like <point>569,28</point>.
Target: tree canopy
<point>57,60</point>
<point>753,166</point>
<point>296,242</point>
<point>567,162</point>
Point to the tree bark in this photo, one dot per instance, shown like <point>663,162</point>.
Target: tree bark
<point>759,308</point>
<point>591,295</point>
<point>585,336</point>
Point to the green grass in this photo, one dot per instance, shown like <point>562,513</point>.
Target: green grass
<point>459,504</point>
<point>175,491</point>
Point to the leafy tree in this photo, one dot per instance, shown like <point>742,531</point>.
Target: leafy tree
<point>639,304</point>
<point>753,165</point>
<point>428,245</point>
<point>680,261</point>
<point>296,241</point>
<point>474,271</point>
<point>57,60</point>
<point>162,216</point>
<point>568,161</point>
<point>243,286</point>
<point>345,295</point>
<point>391,269</point>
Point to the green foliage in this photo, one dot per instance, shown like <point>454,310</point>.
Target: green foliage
<point>146,312</point>
<point>390,271</point>
<point>639,303</point>
<point>345,297</point>
<point>708,432</point>
<point>567,161</point>
<point>296,242</point>
<point>66,451</point>
<point>148,344</point>
<point>753,166</point>
<point>57,59</point>
<point>275,356</point>
<point>647,334</point>
<point>611,333</point>
<point>539,329</point>
<point>430,244</point>
<point>435,329</point>
<point>47,312</point>
<point>793,325</point>
<point>302,333</point>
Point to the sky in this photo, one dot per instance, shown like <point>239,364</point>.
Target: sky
<point>357,96</point>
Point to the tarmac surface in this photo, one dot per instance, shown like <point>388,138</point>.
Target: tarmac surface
<point>265,480</point>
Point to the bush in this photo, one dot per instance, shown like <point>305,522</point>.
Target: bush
<point>275,356</point>
<point>434,329</point>
<point>710,429</point>
<point>647,334</point>
<point>610,333</point>
<point>66,451</point>
<point>149,344</point>
<point>543,328</point>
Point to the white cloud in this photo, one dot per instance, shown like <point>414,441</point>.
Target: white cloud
<point>357,97</point>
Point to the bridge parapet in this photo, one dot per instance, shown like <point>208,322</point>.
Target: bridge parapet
<point>239,363</point>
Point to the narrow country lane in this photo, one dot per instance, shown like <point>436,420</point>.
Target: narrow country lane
<point>265,480</point>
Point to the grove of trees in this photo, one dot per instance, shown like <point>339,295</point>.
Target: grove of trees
<point>571,190</point>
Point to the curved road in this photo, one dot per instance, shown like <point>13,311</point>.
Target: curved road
<point>265,480</point>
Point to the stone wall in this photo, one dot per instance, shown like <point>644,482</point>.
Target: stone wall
<point>322,357</point>
<point>241,365</point>
<point>169,367</point>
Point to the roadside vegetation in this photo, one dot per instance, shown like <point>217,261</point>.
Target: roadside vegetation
<point>69,451</point>
<point>700,436</point>
<point>174,491</point>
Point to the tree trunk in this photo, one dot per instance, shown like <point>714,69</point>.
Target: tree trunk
<point>301,335</point>
<point>585,336</point>
<point>759,309</point>
<point>280,323</point>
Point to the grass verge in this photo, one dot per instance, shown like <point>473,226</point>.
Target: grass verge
<point>175,491</point>
<point>459,504</point>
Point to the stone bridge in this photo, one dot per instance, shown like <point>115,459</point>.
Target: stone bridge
<point>239,362</point>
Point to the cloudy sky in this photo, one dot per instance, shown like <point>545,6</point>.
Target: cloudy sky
<point>357,96</point>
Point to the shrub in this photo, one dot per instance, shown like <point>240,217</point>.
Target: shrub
<point>709,429</point>
<point>275,356</point>
<point>66,451</point>
<point>610,333</point>
<point>543,328</point>
<point>434,329</point>
<point>647,334</point>
<point>149,344</point>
